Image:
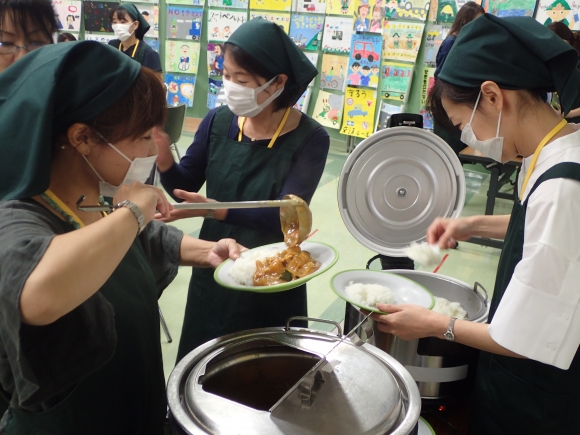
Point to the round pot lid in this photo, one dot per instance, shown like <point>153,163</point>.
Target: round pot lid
<point>394,184</point>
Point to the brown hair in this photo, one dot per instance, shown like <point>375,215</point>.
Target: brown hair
<point>468,12</point>
<point>564,32</point>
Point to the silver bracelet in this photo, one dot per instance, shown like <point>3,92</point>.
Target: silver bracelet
<point>210,214</point>
<point>136,211</point>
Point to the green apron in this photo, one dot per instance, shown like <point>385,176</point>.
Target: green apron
<point>522,396</point>
<point>240,171</point>
<point>127,395</point>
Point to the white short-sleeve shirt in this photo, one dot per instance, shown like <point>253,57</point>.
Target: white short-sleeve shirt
<point>539,314</point>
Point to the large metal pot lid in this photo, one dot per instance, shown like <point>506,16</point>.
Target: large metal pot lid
<point>394,184</point>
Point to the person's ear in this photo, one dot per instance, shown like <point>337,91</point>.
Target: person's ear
<point>281,81</point>
<point>492,96</point>
<point>80,138</point>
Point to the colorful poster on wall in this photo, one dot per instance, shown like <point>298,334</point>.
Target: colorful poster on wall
<point>151,14</point>
<point>183,22</point>
<point>362,16</point>
<point>181,56</point>
<point>396,81</point>
<point>364,60</point>
<point>271,5</point>
<point>306,30</point>
<point>340,7</point>
<point>551,11</point>
<point>68,15</point>
<point>333,72</point>
<point>310,6</point>
<point>402,40</point>
<point>436,34</point>
<point>221,24</point>
<point>427,119</point>
<point>337,35</point>
<point>303,101</point>
<point>215,59</point>
<point>97,16</point>
<point>446,11</point>
<point>415,10</point>
<point>512,8</point>
<point>385,114</point>
<point>184,2</point>
<point>359,112</point>
<point>236,4</point>
<point>153,43</point>
<point>102,37</point>
<point>328,109</point>
<point>214,88</point>
<point>280,18</point>
<point>179,89</point>
<point>427,84</point>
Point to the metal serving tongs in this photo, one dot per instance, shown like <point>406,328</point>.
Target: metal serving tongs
<point>311,382</point>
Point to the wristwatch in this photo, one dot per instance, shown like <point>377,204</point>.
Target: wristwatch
<point>449,335</point>
<point>138,215</point>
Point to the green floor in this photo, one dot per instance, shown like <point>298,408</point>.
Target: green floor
<point>468,263</point>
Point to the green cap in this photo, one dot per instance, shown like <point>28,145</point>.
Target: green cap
<point>43,94</point>
<point>143,24</point>
<point>516,53</point>
<point>271,47</point>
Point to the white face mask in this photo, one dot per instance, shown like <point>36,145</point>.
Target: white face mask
<point>139,171</point>
<point>492,147</point>
<point>244,101</point>
<point>122,31</point>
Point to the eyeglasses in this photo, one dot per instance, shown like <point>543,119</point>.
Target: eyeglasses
<point>10,48</point>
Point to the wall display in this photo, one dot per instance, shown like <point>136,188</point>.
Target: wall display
<point>153,43</point>
<point>105,38</point>
<point>340,7</point>
<point>179,89</point>
<point>550,11</point>
<point>328,109</point>
<point>396,81</point>
<point>302,103</point>
<point>215,59</point>
<point>271,5</point>
<point>97,16</point>
<point>415,10</point>
<point>221,24</point>
<point>214,88</point>
<point>236,4</point>
<point>427,119</point>
<point>512,8</point>
<point>333,72</point>
<point>306,30</point>
<point>436,34</point>
<point>427,84</point>
<point>280,18</point>
<point>68,15</point>
<point>337,34</point>
<point>432,16</point>
<point>364,60</point>
<point>362,16</point>
<point>385,113</point>
<point>183,22</point>
<point>184,2</point>
<point>402,40</point>
<point>446,11</point>
<point>359,112</point>
<point>310,6</point>
<point>181,56</point>
<point>151,14</point>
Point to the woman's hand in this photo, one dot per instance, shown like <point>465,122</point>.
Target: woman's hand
<point>445,232</point>
<point>188,197</point>
<point>224,249</point>
<point>164,157</point>
<point>410,322</point>
<point>147,198</point>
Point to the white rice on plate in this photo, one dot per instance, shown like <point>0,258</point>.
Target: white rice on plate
<point>451,309</point>
<point>243,269</point>
<point>368,295</point>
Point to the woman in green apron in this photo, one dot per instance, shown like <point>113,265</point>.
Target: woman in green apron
<point>493,87</point>
<point>79,323</point>
<point>257,147</point>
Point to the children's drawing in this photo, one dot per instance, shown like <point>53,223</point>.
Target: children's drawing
<point>183,22</point>
<point>364,60</point>
<point>151,14</point>
<point>436,34</point>
<point>181,56</point>
<point>362,14</point>
<point>559,10</point>
<point>385,114</point>
<point>215,59</point>
<point>340,7</point>
<point>221,24</point>
<point>337,34</point>
<point>302,103</point>
<point>427,84</point>
<point>328,109</point>
<point>236,4</point>
<point>306,30</point>
<point>179,89</point>
<point>184,2</point>
<point>359,112</point>
<point>446,11</point>
<point>427,119</point>
<point>153,43</point>
<point>280,18</point>
<point>512,8</point>
<point>414,10</point>
<point>396,81</point>
<point>271,5</point>
<point>310,6</point>
<point>333,72</point>
<point>215,86</point>
<point>97,16</point>
<point>68,15</point>
<point>104,38</point>
<point>402,40</point>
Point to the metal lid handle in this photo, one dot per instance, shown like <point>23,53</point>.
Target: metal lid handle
<point>475,286</point>
<point>314,319</point>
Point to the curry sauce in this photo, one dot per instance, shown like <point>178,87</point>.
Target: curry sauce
<point>288,265</point>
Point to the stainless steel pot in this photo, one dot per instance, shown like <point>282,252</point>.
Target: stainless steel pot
<point>244,383</point>
<point>444,370</point>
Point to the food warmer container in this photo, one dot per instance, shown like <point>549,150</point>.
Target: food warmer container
<point>291,381</point>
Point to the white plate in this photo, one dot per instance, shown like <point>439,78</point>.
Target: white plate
<point>322,252</point>
<point>425,428</point>
<point>405,291</point>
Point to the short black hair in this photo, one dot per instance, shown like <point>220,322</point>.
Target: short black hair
<point>355,64</point>
<point>366,67</point>
<point>291,92</point>
<point>26,13</point>
<point>65,37</point>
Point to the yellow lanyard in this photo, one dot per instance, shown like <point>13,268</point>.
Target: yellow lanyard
<point>134,50</point>
<point>544,141</point>
<point>62,208</point>
<point>278,131</point>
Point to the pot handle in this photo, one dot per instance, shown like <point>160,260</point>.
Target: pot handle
<point>314,319</point>
<point>475,286</point>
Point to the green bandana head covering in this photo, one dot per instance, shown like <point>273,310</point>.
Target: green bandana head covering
<point>137,16</point>
<point>47,91</point>
<point>271,47</point>
<point>516,53</point>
